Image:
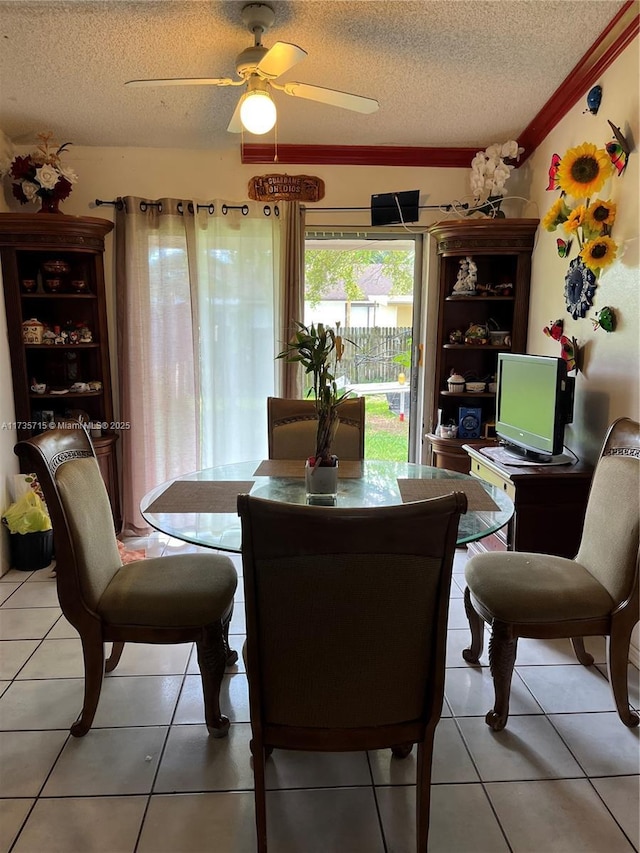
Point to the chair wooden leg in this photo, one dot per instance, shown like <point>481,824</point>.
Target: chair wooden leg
<point>476,626</point>
<point>93,655</point>
<point>581,653</point>
<point>114,658</point>
<point>502,657</point>
<point>258,754</point>
<point>423,789</point>
<point>617,666</point>
<point>401,750</point>
<point>211,660</point>
<point>231,656</point>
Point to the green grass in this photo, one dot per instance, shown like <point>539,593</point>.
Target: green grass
<point>385,436</point>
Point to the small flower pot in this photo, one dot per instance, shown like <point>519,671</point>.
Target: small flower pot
<point>321,481</point>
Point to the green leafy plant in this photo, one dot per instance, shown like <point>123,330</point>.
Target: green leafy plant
<point>319,350</point>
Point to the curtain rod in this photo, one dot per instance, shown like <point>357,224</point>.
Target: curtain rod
<point>117,203</point>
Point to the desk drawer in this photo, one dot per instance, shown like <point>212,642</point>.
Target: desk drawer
<point>482,472</point>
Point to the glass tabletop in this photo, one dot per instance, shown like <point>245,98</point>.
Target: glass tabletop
<point>378,486</point>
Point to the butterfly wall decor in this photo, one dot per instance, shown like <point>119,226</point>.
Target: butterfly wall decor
<point>618,149</point>
<point>564,247</point>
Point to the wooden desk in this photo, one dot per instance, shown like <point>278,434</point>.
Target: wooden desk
<point>549,500</point>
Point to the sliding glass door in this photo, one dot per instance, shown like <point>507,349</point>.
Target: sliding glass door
<point>369,283</point>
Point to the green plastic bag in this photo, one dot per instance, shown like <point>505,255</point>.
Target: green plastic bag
<point>27,515</point>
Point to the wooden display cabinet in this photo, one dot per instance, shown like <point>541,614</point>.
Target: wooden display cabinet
<point>53,273</point>
<point>501,250</point>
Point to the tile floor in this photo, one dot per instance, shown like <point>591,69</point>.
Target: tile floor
<point>563,776</point>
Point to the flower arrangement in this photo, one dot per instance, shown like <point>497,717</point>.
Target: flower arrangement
<point>319,350</point>
<point>581,174</point>
<point>489,174</point>
<point>41,174</point>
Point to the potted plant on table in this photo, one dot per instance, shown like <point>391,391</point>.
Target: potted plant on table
<point>319,350</point>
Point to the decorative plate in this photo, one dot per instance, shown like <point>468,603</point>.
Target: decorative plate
<point>579,288</point>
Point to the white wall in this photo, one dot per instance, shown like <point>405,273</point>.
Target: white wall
<point>8,435</point>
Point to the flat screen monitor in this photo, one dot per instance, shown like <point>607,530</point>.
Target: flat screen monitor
<point>386,207</point>
<point>534,403</point>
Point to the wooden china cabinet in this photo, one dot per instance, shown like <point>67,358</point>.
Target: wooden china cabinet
<point>501,250</point>
<point>54,292</point>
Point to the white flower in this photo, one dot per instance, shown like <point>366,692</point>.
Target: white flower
<point>478,162</point>
<point>30,190</point>
<point>69,174</point>
<point>493,151</point>
<point>47,176</point>
<point>510,150</point>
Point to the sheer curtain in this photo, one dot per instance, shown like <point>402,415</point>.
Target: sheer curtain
<point>200,301</point>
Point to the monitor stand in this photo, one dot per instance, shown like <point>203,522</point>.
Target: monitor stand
<point>528,458</point>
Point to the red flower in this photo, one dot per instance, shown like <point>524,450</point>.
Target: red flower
<point>22,167</point>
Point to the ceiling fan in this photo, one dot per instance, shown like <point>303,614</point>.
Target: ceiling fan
<point>259,68</point>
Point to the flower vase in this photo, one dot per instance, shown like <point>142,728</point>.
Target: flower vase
<point>321,482</point>
<point>49,205</point>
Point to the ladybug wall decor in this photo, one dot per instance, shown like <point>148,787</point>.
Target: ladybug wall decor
<point>605,319</point>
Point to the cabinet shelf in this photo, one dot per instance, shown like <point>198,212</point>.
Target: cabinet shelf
<point>488,347</point>
<point>478,298</point>
<point>69,395</point>
<point>501,250</point>
<point>467,394</point>
<point>27,242</point>
<point>92,345</point>
<point>45,295</point>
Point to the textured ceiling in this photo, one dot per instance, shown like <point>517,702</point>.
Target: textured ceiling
<point>446,72</point>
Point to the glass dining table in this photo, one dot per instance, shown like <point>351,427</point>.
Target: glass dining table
<point>200,507</point>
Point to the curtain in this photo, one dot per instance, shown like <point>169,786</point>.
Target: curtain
<point>291,291</point>
<point>199,301</point>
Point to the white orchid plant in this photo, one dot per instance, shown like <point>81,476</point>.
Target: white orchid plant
<point>41,173</point>
<point>490,172</point>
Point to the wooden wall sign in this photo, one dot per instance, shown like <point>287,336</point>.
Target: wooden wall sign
<point>286,188</point>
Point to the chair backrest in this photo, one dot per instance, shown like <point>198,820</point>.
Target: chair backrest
<point>84,538</point>
<point>292,428</point>
<point>610,546</point>
<point>347,611</point>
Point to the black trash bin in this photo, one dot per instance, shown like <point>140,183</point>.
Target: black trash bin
<point>31,551</point>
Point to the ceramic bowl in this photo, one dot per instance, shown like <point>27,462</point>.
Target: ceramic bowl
<point>475,387</point>
<point>57,267</point>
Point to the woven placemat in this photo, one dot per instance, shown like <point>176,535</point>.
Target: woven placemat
<point>347,468</point>
<point>201,496</point>
<point>420,490</point>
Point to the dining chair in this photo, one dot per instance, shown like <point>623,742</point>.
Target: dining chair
<point>292,423</point>
<point>178,599</point>
<point>346,630</point>
<point>547,597</point>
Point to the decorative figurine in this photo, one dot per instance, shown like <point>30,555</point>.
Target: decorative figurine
<point>605,319</point>
<point>594,98</point>
<point>467,277</point>
<point>553,172</point>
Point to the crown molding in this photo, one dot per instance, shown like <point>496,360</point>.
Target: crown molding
<point>619,33</point>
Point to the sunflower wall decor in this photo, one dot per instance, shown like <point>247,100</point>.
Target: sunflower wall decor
<point>581,174</point>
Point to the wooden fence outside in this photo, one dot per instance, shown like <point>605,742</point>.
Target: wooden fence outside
<point>370,358</point>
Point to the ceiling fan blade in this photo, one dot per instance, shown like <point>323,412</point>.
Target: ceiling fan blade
<point>235,125</point>
<point>187,81</point>
<point>330,96</point>
<point>280,58</point>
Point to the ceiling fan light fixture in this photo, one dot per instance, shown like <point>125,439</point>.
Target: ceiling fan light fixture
<point>258,112</point>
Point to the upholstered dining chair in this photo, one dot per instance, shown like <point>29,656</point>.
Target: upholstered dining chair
<point>292,428</point>
<point>178,599</point>
<point>547,597</point>
<point>346,630</point>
